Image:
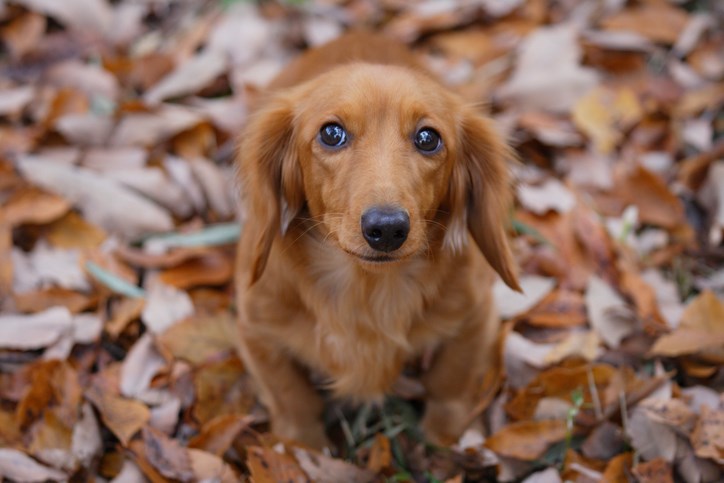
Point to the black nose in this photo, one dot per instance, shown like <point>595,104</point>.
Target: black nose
<point>385,228</point>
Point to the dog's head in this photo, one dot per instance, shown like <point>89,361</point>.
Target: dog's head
<point>378,157</point>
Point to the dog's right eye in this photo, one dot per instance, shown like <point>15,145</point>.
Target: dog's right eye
<point>333,135</point>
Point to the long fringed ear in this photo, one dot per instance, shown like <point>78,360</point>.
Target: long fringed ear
<point>271,181</point>
<point>481,194</point>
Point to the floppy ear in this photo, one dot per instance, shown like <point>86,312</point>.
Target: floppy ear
<point>481,194</point>
<point>271,180</point>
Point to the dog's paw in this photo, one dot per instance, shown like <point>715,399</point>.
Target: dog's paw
<point>445,421</point>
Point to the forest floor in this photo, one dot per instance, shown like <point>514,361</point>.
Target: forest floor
<point>118,212</point>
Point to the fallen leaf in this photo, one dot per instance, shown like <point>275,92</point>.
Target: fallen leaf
<point>20,467</point>
<point>139,367</point>
<point>708,435</point>
<point>222,388</point>
<point>551,195</point>
<point>559,309</point>
<point>200,337</point>
<point>72,231</point>
<point>617,469</point>
<point>92,15</point>
<point>22,34</point>
<point>511,303</point>
<point>380,454</point>
<point>650,437</point>
<point>526,440</point>
<point>47,266</point>
<point>208,467</point>
<point>605,114</point>
<point>167,455</point>
<point>44,299</point>
<point>86,443</point>
<point>548,74</point>
<point>218,434</point>
<point>148,129</point>
<point>189,77</point>
<point>213,268</point>
<point>608,314</point>
<point>323,469</point>
<point>711,197</point>
<point>14,100</point>
<point>165,306</point>
<point>654,471</point>
<point>51,440</point>
<point>155,185</point>
<point>34,331</point>
<point>124,417</point>
<point>55,386</point>
<point>659,22</point>
<point>269,466</point>
<point>102,200</point>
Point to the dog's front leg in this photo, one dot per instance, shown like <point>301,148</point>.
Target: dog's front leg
<point>453,381</point>
<point>294,406</point>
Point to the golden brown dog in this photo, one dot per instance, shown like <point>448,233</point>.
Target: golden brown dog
<point>376,206</point>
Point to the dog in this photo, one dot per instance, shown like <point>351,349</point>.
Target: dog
<point>376,203</point>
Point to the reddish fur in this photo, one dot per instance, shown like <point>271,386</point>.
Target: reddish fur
<point>306,300</point>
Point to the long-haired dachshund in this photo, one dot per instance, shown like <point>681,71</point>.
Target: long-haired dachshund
<point>376,206</point>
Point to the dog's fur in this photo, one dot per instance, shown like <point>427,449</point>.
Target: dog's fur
<point>307,298</point>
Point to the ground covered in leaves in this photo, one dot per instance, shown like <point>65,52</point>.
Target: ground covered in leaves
<point>117,222</point>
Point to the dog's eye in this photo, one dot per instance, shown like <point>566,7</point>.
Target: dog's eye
<point>332,135</point>
<point>428,140</point>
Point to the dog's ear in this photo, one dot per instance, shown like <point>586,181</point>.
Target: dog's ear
<point>271,180</point>
<point>481,194</point>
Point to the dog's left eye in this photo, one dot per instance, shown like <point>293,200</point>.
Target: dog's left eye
<point>333,135</point>
<point>428,140</point>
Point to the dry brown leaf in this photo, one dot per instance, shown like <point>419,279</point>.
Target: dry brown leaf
<point>148,129</point>
<point>323,469</point>
<point>86,441</point>
<point>608,314</point>
<point>654,471</point>
<point>14,100</point>
<point>102,200</point>
<point>268,466</point>
<point>23,34</point>
<point>34,331</point>
<point>560,382</point>
<point>551,195</point>
<point>171,258</point>
<point>617,469</point>
<point>526,440</point>
<point>51,440</point>
<point>165,306</point>
<point>708,435</point>
<point>559,309</point>
<point>31,205</point>
<point>548,74</point>
<point>218,434</point>
<point>672,412</point>
<point>657,21</point>
<point>72,231</point>
<point>44,299</point>
<point>54,385</point>
<point>21,467</point>
<point>222,388</point>
<point>154,184</point>
<point>201,337</point>
<point>92,15</point>
<point>167,455</point>
<point>6,262</point>
<point>189,77</point>
<point>380,454</point>
<point>511,303</point>
<point>605,114</point>
<point>651,438</point>
<point>208,467</point>
<point>213,268</point>
<point>139,367</point>
<point>124,417</point>
<point>123,313</point>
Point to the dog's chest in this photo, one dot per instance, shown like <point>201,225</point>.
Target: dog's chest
<point>363,328</point>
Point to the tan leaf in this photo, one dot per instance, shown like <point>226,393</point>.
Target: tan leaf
<point>526,440</point>
<point>208,467</point>
<point>323,469</point>
<point>558,309</point>
<point>139,367</point>
<point>124,417</point>
<point>511,303</point>
<point>654,471</point>
<point>218,434</point>
<point>551,195</point>
<point>23,33</point>
<point>31,205</point>
<point>20,467</point>
<point>268,466</point>
<point>14,100</point>
<point>548,74</point>
<point>380,454</point>
<point>604,114</point>
<point>147,129</point>
<point>167,455</point>
<point>198,338</point>
<point>165,306</point>
<point>34,331</point>
<point>81,14</point>
<point>44,299</point>
<point>51,440</point>
<point>660,22</point>
<point>608,314</point>
<point>72,231</point>
<point>617,469</point>
<point>102,200</point>
<point>51,384</point>
<point>213,268</point>
<point>189,77</point>
<point>222,388</point>
<point>708,435</point>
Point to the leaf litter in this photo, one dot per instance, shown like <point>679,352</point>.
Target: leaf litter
<point>118,216</point>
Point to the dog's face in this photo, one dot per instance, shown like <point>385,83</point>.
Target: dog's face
<point>380,156</point>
